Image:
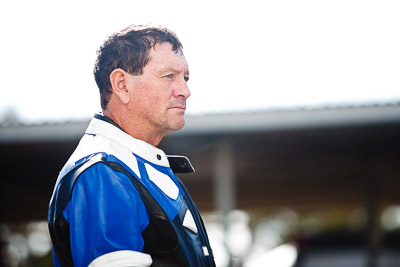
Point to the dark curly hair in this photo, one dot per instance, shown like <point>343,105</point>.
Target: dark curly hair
<point>128,50</point>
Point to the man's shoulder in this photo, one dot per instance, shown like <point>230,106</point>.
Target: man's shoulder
<point>65,184</point>
<point>89,145</point>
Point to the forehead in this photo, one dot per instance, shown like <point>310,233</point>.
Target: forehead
<point>163,57</point>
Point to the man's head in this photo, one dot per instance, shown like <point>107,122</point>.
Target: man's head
<point>128,50</point>
<point>142,76</point>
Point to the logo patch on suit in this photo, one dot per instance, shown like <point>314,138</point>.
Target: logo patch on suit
<point>163,182</point>
<point>188,222</point>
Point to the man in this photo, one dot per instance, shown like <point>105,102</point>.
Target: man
<point>117,201</point>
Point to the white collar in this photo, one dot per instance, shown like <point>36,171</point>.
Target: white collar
<point>136,146</point>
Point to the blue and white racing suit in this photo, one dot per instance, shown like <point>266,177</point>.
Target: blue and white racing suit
<point>118,202</point>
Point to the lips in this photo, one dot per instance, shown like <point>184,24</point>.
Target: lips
<point>180,105</point>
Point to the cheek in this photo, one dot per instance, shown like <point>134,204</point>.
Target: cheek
<point>151,104</point>
<point>153,97</point>
<point>158,99</point>
<point>146,95</point>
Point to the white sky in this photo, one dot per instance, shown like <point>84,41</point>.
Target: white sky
<point>242,54</point>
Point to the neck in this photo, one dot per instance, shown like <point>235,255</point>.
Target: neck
<point>137,131</point>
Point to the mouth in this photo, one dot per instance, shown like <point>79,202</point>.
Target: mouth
<point>181,106</point>
<point>178,107</point>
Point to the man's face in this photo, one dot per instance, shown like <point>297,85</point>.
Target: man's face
<point>159,94</point>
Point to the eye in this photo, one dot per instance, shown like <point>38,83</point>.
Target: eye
<point>186,78</point>
<point>169,76</point>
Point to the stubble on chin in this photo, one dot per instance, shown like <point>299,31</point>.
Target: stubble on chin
<point>177,122</point>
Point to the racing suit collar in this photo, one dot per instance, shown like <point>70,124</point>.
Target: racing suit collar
<point>107,128</point>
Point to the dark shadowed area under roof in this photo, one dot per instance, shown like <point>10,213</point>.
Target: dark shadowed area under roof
<point>305,158</point>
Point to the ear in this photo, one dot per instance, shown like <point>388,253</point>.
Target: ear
<point>118,80</point>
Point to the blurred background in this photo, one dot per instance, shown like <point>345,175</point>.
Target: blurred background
<point>293,125</point>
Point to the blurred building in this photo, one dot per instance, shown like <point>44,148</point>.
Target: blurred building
<point>306,160</point>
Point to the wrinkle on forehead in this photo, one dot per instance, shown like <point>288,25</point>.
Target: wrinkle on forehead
<point>166,62</point>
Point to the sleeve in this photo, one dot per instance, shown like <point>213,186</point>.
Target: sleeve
<point>106,219</point>
<point>122,258</point>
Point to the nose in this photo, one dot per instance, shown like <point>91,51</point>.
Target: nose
<point>182,90</point>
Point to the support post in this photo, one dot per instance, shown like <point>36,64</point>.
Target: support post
<point>224,182</point>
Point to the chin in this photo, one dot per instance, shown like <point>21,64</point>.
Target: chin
<point>178,125</point>
<point>174,123</point>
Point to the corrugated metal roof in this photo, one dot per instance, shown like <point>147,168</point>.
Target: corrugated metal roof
<point>228,122</point>
<point>294,118</point>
